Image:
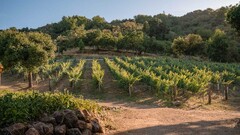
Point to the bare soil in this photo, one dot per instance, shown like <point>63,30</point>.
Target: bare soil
<point>146,120</point>
<point>144,113</point>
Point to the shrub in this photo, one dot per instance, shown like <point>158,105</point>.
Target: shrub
<point>28,106</point>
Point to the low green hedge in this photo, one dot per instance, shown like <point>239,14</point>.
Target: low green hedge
<point>28,106</point>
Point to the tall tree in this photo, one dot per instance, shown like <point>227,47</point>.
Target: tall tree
<point>107,40</point>
<point>195,45</point>
<point>157,29</point>
<point>192,44</point>
<point>179,45</point>
<point>97,22</point>
<point>233,17</point>
<point>26,50</point>
<point>134,41</point>
<point>218,46</point>
<point>93,37</point>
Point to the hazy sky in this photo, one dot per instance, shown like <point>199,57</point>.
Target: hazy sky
<point>36,13</point>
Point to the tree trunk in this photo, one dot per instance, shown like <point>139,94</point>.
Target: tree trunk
<point>99,86</point>
<point>218,87</point>
<point>172,94</point>
<point>0,79</point>
<point>226,92</point>
<point>71,84</point>
<point>30,83</point>
<point>56,74</point>
<point>130,91</point>
<point>175,93</point>
<point>49,84</point>
<point>74,85</point>
<point>209,96</point>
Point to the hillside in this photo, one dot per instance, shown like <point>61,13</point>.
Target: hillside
<point>144,33</point>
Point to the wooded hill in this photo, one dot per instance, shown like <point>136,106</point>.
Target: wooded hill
<point>146,33</point>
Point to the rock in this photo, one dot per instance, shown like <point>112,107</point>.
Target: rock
<point>82,125</point>
<point>32,131</point>
<point>101,130</point>
<point>87,116</point>
<point>29,126</point>
<point>96,127</point>
<point>4,131</point>
<point>48,119</point>
<point>86,113</point>
<point>43,129</point>
<point>70,119</point>
<point>237,121</point>
<point>74,131</point>
<point>177,103</point>
<point>80,115</point>
<point>59,117</point>
<point>60,130</point>
<point>87,132</point>
<point>89,126</point>
<point>16,129</point>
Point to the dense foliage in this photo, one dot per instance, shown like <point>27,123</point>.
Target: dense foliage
<point>173,77</point>
<point>75,73</point>
<point>97,74</point>
<point>217,46</point>
<point>233,17</point>
<point>161,33</point>
<point>26,50</point>
<point>125,79</point>
<point>28,106</point>
<point>191,44</point>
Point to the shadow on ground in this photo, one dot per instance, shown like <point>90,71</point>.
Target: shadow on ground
<point>222,127</point>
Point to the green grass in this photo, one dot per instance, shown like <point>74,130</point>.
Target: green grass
<point>28,106</point>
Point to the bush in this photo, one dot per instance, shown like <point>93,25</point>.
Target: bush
<point>28,106</point>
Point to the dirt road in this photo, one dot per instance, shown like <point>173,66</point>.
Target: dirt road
<point>147,120</point>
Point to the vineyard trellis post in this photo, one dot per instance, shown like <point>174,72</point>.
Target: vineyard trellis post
<point>174,93</point>
<point>49,84</point>
<point>0,78</point>
<point>1,70</point>
<point>209,94</point>
<point>30,79</point>
<point>226,92</point>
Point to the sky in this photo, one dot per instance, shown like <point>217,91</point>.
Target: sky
<point>37,13</point>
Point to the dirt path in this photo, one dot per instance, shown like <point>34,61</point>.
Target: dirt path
<point>86,81</point>
<point>147,120</point>
<point>110,90</point>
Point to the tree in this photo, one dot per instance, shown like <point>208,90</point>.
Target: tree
<point>26,50</point>
<point>195,44</point>
<point>107,40</point>
<point>134,41</point>
<point>79,43</point>
<point>93,37</point>
<point>156,28</point>
<point>130,26</point>
<point>179,45</point>
<point>62,43</point>
<point>146,27</point>
<point>233,17</point>
<point>72,38</point>
<point>218,46</point>
<point>204,33</point>
<point>97,23</point>
<point>142,18</point>
<point>192,44</point>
